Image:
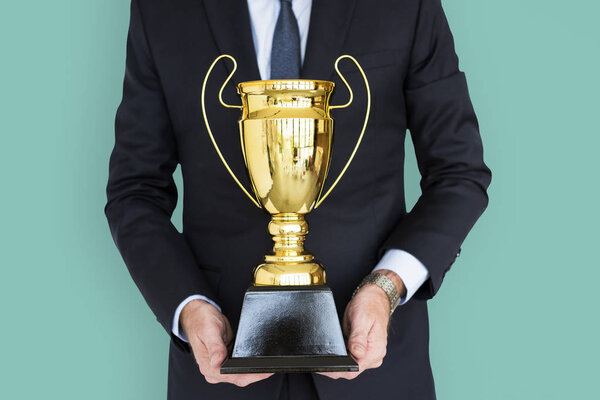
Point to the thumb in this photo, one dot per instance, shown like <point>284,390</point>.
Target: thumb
<point>357,341</point>
<point>217,351</point>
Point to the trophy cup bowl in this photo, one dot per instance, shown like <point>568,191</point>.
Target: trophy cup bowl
<point>286,136</point>
<point>289,322</point>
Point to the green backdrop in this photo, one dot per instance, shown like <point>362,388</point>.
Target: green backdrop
<point>517,318</point>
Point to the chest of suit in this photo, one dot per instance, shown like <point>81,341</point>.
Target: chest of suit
<point>186,36</point>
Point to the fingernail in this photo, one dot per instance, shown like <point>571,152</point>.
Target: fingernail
<point>357,348</point>
<point>213,360</point>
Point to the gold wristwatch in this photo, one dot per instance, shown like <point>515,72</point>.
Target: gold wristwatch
<point>385,283</point>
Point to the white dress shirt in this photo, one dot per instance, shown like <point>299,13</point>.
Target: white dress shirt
<point>263,18</point>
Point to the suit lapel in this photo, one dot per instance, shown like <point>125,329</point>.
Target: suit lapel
<point>329,22</point>
<point>229,22</point>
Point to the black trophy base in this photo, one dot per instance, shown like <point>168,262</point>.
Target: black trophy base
<point>289,329</point>
<point>250,365</point>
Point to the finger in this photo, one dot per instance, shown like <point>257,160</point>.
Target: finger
<point>359,332</point>
<point>215,347</point>
<point>376,349</point>
<point>212,373</point>
<point>235,379</point>
<point>227,333</point>
<point>243,380</point>
<point>346,323</point>
<point>340,375</point>
<point>217,357</point>
<point>202,360</point>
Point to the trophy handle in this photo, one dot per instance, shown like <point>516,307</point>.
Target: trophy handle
<point>364,127</point>
<point>228,106</point>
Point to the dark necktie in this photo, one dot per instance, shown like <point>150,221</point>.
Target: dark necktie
<point>285,53</point>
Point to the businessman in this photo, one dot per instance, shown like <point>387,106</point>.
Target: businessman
<point>195,281</point>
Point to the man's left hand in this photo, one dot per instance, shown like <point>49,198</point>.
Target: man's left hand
<point>365,325</point>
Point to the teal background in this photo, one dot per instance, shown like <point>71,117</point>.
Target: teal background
<point>517,318</point>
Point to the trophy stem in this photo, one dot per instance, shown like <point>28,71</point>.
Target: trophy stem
<point>288,230</point>
<point>289,264</point>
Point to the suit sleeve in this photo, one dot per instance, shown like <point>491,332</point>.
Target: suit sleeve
<point>448,147</point>
<point>141,191</point>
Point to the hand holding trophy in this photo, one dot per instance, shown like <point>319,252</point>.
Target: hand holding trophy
<point>288,322</point>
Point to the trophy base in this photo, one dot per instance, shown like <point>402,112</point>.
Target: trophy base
<point>289,329</point>
<point>290,364</point>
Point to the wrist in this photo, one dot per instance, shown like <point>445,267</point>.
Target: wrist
<point>382,283</point>
<point>375,294</point>
<point>400,287</point>
<point>193,308</point>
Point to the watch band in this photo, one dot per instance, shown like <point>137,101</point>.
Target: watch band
<point>386,284</point>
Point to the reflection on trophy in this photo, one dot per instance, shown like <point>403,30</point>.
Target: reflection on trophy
<point>288,322</point>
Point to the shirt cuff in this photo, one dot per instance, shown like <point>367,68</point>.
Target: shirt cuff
<point>412,271</point>
<point>177,331</point>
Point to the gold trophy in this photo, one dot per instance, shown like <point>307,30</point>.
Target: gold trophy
<point>288,322</point>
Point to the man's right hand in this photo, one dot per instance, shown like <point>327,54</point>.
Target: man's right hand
<point>209,334</point>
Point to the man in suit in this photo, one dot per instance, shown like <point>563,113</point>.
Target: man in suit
<point>195,281</point>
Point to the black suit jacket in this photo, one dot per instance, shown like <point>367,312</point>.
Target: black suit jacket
<point>407,51</point>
